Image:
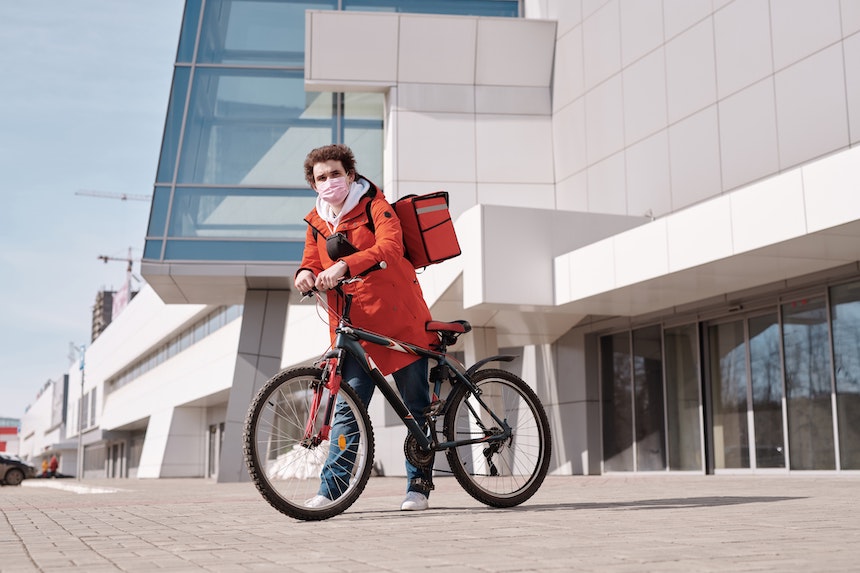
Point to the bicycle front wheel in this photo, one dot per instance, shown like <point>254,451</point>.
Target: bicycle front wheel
<point>501,473</point>
<point>290,467</point>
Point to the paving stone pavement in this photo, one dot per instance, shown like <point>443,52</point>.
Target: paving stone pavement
<point>574,523</point>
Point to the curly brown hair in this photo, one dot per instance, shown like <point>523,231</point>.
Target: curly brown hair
<point>334,152</point>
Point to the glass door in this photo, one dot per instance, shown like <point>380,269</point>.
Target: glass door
<point>747,428</point>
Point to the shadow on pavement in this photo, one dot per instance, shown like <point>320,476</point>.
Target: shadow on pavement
<point>668,503</point>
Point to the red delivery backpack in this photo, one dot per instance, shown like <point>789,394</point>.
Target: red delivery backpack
<point>428,231</point>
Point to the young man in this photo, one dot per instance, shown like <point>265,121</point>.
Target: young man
<point>388,301</point>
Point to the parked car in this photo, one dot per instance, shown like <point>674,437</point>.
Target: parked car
<point>14,470</point>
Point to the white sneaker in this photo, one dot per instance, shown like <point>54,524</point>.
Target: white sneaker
<point>318,501</point>
<point>414,502</point>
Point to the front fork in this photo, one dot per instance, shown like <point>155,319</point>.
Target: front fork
<point>331,379</point>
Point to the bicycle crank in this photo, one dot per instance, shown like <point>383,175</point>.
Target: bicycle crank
<point>420,458</point>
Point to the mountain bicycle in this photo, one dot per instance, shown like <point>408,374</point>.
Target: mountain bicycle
<point>494,429</point>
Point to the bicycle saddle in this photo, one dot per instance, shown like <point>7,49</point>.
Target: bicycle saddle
<point>456,327</point>
<point>448,331</point>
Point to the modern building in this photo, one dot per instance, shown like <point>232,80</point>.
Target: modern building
<point>43,428</point>
<point>657,203</point>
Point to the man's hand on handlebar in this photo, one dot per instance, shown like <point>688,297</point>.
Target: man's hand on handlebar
<point>330,276</point>
<point>327,279</point>
<point>306,281</point>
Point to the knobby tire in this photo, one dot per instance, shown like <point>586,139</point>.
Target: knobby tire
<point>510,472</point>
<point>286,472</point>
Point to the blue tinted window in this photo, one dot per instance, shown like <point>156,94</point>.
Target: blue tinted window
<point>158,215</point>
<point>252,127</point>
<point>173,125</point>
<point>188,250</point>
<point>240,213</point>
<point>152,251</point>
<point>190,19</point>
<point>256,32</point>
<point>458,7</point>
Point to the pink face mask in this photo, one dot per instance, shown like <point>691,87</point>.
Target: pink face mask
<point>333,191</point>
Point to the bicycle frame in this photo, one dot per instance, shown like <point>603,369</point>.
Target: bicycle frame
<point>347,339</point>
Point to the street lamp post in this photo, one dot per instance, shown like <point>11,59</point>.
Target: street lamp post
<point>80,472</point>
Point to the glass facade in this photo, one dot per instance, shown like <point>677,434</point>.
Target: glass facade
<point>779,390</point>
<point>230,185</point>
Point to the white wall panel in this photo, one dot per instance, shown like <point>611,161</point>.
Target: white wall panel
<point>694,157</point>
<point>447,98</point>
<point>801,28</point>
<point>748,141</point>
<point>648,179</point>
<point>572,192</point>
<point>604,118</point>
<point>644,97</point>
<point>157,434</point>
<point>771,211</point>
<point>850,10</point>
<point>569,77</point>
<point>812,119</point>
<point>452,42</point>
<point>470,233</point>
<point>513,100</point>
<point>602,41</point>
<point>513,52</point>
<point>530,195</point>
<point>711,222</point>
<point>568,135</point>
<point>436,146</point>
<point>568,15</point>
<point>641,255</point>
<point>592,269</point>
<point>607,192</point>
<point>374,61</point>
<point>851,48</point>
<point>743,45</point>
<point>589,7</point>
<point>831,191</point>
<point>514,149</point>
<point>690,71</point>
<point>513,254</point>
<point>641,28</point>
<point>681,14</point>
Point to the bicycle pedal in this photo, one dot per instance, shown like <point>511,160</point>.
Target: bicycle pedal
<point>435,408</point>
<point>423,484</point>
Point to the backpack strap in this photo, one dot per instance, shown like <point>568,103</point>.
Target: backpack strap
<point>370,224</point>
<point>316,232</point>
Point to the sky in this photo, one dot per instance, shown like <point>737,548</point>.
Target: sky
<point>84,87</point>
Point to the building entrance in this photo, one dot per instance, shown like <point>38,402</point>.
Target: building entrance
<point>746,418</point>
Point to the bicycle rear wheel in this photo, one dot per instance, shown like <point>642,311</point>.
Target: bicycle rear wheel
<point>502,473</point>
<point>287,469</point>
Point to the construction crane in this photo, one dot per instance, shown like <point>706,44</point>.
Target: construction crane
<point>128,259</point>
<point>121,196</point>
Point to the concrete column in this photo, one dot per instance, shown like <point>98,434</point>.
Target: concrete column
<point>261,342</point>
<point>480,343</point>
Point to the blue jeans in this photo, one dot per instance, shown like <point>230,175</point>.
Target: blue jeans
<point>414,389</point>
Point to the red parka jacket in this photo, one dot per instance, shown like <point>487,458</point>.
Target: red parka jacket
<point>387,301</point>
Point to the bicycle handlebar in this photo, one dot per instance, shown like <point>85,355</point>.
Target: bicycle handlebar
<point>347,280</point>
